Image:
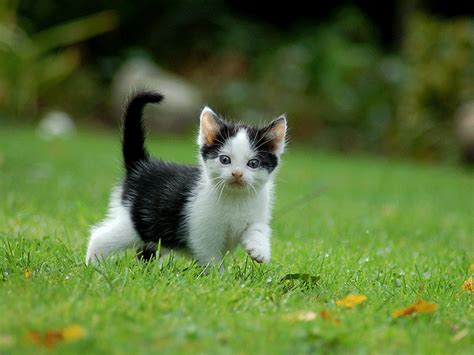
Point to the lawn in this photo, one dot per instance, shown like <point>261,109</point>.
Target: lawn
<point>395,232</point>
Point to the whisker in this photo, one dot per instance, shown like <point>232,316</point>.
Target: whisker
<point>219,140</point>
<point>264,136</point>
<point>265,142</point>
<point>252,144</point>
<point>218,185</point>
<point>222,186</point>
<point>254,189</point>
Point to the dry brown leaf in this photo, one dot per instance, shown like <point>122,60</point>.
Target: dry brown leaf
<point>51,337</point>
<point>303,316</point>
<point>48,339</point>
<point>351,301</point>
<point>27,274</point>
<point>468,285</point>
<point>418,307</point>
<point>329,317</point>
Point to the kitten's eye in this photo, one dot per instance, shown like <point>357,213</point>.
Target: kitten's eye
<point>253,163</point>
<point>224,159</point>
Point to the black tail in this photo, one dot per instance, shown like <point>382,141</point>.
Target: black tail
<point>133,141</point>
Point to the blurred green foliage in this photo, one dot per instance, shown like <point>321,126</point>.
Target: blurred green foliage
<point>342,90</point>
<point>31,64</point>
<point>439,56</point>
<point>335,82</point>
<point>340,85</point>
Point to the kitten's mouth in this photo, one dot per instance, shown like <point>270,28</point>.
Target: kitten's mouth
<point>237,183</point>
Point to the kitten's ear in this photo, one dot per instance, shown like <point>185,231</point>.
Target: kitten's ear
<point>276,134</point>
<point>209,126</point>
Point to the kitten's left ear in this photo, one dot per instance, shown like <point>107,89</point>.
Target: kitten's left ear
<point>276,134</point>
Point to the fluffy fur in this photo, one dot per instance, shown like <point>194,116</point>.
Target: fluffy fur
<point>205,210</point>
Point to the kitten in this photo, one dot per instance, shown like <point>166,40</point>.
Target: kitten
<point>203,210</point>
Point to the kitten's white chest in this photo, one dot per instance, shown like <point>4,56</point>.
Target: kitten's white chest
<point>216,225</point>
<point>234,219</point>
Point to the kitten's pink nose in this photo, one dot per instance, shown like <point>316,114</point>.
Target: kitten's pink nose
<point>237,174</point>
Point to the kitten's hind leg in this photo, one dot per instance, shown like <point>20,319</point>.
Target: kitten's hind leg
<point>114,234</point>
<point>149,251</point>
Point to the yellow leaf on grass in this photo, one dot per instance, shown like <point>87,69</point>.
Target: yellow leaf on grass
<point>468,285</point>
<point>27,274</point>
<point>471,268</point>
<point>51,337</point>
<point>305,316</point>
<point>418,307</point>
<point>351,301</point>
<point>73,332</point>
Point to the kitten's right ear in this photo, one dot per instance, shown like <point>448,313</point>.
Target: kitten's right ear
<point>209,127</point>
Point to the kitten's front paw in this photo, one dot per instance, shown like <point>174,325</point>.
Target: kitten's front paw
<point>256,242</point>
<point>258,253</point>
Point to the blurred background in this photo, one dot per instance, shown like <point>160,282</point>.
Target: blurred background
<point>392,78</point>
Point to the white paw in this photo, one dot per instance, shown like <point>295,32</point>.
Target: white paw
<point>258,253</point>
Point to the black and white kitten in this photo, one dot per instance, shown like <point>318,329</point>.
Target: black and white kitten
<point>204,210</point>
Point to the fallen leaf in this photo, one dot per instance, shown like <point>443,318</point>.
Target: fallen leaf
<point>351,301</point>
<point>73,332</point>
<point>418,307</point>
<point>468,285</point>
<point>328,316</point>
<point>27,274</point>
<point>48,339</point>
<point>471,268</point>
<point>304,316</point>
<point>51,337</point>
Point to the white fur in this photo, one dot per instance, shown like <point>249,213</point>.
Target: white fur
<point>114,233</point>
<point>218,225</point>
<point>219,216</point>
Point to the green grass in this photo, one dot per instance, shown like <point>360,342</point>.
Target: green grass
<point>393,231</point>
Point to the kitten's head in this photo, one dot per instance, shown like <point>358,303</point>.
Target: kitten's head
<point>239,157</point>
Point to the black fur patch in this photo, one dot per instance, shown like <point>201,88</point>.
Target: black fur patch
<point>133,139</point>
<point>263,146</point>
<point>147,253</point>
<point>210,151</point>
<point>156,193</point>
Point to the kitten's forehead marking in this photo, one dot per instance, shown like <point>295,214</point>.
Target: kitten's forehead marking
<point>239,145</point>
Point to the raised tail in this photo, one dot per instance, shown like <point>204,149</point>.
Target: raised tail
<point>133,139</point>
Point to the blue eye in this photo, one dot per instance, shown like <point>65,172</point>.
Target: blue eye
<point>224,159</point>
<point>253,163</point>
